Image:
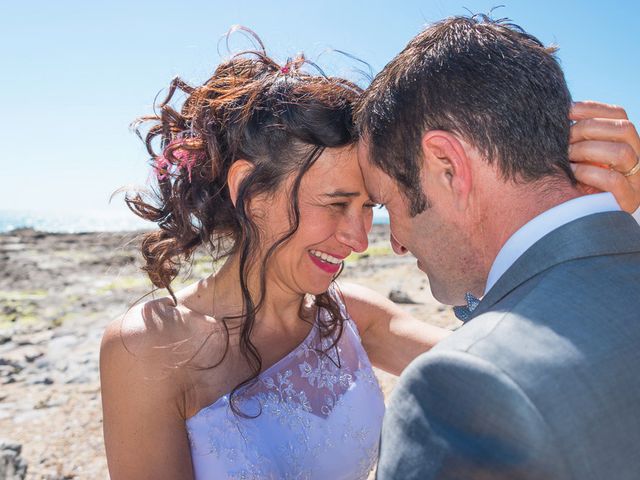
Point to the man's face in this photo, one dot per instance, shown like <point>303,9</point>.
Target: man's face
<point>437,237</point>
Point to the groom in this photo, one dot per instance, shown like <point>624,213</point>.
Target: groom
<point>465,135</point>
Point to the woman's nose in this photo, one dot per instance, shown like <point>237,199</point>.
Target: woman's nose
<point>397,247</point>
<point>353,233</point>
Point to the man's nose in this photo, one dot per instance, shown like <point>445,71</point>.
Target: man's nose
<point>397,247</point>
<point>353,233</point>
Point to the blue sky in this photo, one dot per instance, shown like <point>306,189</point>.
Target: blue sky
<point>75,74</point>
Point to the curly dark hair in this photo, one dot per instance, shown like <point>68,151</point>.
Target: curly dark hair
<point>279,118</point>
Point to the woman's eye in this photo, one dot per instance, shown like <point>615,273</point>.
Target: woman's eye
<point>371,205</point>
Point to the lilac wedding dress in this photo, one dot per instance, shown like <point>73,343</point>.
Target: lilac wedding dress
<point>317,420</point>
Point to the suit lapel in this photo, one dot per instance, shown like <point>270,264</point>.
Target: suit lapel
<point>610,233</point>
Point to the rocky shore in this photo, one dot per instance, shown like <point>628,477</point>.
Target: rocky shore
<point>58,292</point>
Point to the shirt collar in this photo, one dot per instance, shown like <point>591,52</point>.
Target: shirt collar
<point>545,223</point>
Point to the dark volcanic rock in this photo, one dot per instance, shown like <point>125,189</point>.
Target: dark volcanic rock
<point>400,296</point>
<point>12,465</point>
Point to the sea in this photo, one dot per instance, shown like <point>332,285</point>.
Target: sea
<point>78,221</point>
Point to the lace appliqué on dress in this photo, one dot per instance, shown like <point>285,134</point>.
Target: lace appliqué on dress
<point>319,416</point>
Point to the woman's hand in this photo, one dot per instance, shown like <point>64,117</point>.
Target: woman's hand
<point>604,145</point>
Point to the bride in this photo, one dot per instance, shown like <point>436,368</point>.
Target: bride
<point>263,368</point>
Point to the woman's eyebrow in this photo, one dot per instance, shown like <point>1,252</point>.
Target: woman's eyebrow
<point>341,193</point>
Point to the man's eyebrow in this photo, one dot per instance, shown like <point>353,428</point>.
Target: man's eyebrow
<point>341,193</point>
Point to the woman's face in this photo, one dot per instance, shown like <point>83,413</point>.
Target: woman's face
<point>335,219</point>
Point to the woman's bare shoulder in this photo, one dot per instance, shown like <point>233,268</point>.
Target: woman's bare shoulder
<point>143,327</point>
<point>158,335</point>
<point>143,393</point>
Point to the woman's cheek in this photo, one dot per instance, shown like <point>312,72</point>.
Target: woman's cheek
<point>314,219</point>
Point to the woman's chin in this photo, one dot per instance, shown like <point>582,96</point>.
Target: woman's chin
<point>318,288</point>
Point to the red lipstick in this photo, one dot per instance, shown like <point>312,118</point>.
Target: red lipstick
<point>326,266</point>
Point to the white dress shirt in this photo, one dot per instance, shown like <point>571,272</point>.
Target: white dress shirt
<point>546,222</point>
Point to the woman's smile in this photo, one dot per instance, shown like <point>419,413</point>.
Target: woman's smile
<point>325,261</point>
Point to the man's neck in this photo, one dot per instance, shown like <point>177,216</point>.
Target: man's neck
<point>514,208</point>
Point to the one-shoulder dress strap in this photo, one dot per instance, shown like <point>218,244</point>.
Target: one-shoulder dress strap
<point>336,294</point>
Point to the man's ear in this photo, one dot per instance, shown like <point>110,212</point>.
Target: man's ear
<point>238,171</point>
<point>447,164</point>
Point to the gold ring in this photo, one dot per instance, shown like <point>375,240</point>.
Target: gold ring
<point>634,170</point>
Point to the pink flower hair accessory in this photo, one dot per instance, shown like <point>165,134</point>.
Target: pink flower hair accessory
<point>186,159</point>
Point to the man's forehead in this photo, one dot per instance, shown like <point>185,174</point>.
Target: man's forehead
<point>363,150</point>
<point>375,180</point>
<point>364,159</point>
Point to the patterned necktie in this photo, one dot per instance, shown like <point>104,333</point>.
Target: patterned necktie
<point>464,312</point>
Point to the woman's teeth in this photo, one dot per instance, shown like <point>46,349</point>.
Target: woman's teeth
<point>325,257</point>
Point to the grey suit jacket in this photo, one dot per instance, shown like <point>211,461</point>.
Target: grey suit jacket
<point>543,381</point>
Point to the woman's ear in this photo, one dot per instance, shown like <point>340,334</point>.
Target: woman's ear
<point>237,173</point>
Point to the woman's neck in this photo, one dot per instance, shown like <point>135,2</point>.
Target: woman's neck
<point>220,295</point>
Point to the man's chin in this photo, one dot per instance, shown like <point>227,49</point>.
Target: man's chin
<point>441,297</point>
<point>422,268</point>
<point>444,295</point>
<point>439,290</point>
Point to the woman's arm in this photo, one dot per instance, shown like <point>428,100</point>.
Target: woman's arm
<point>391,337</point>
<point>144,430</point>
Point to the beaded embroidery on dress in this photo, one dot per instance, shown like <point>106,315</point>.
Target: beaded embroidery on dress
<point>320,417</point>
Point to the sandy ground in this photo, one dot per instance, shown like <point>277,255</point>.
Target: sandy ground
<point>57,293</point>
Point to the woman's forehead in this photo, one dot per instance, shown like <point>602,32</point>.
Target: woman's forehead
<point>337,169</point>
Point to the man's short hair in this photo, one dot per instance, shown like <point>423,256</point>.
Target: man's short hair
<point>488,81</point>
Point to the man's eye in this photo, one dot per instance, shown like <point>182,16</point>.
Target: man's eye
<point>371,205</point>
<point>339,204</point>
